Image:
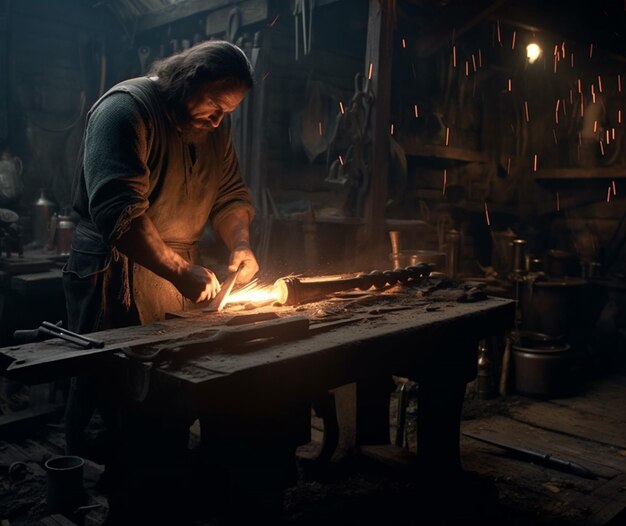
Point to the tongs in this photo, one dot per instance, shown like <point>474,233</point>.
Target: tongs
<point>56,331</point>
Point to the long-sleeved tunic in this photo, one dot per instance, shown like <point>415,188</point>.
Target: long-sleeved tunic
<point>135,161</point>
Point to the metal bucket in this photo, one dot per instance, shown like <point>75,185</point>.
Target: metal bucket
<point>544,371</point>
<point>64,489</point>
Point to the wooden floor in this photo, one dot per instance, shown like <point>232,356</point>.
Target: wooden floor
<point>589,429</point>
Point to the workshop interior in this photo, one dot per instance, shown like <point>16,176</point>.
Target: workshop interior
<point>437,330</point>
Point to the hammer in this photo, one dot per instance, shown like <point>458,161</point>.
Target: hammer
<point>47,329</point>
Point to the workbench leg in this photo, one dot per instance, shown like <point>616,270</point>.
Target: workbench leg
<point>441,391</point>
<point>372,410</point>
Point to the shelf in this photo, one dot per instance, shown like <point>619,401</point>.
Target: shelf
<point>414,148</point>
<point>605,172</point>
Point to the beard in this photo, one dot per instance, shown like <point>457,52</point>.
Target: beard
<point>194,135</point>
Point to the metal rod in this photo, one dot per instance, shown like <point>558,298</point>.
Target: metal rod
<point>292,290</point>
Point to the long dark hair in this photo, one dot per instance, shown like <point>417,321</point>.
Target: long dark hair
<point>181,75</point>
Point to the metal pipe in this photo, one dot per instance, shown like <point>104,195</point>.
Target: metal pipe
<point>292,290</point>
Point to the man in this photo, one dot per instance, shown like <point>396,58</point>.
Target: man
<point>158,163</point>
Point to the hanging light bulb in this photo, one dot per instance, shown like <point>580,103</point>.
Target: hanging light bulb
<point>533,52</point>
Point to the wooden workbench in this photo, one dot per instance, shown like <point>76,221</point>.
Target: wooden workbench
<point>434,343</point>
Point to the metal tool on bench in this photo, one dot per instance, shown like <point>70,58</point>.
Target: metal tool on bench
<point>54,330</point>
<point>218,302</point>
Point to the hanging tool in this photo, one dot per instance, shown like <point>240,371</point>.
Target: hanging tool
<point>538,457</point>
<point>55,331</point>
<point>306,19</point>
<point>218,302</point>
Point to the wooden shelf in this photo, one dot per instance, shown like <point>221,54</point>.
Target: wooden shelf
<point>605,172</point>
<point>414,148</point>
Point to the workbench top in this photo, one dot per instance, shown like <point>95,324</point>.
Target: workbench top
<point>377,338</point>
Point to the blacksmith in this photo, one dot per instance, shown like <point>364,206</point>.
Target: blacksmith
<point>157,164</point>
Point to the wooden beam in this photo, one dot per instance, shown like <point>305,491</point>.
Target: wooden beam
<point>378,59</point>
<point>177,11</point>
<point>252,11</point>
<point>605,172</point>
<point>465,16</point>
<point>4,71</point>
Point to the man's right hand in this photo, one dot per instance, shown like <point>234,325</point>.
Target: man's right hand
<point>197,283</point>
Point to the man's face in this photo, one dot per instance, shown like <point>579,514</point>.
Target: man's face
<point>208,106</point>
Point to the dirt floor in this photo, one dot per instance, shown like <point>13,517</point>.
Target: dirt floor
<point>379,487</point>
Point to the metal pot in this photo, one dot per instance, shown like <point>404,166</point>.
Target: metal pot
<point>544,372</point>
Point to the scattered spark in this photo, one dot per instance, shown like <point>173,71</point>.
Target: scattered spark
<point>513,40</point>
<point>614,187</point>
<point>454,56</point>
<point>391,130</point>
<point>341,108</point>
<point>580,90</point>
<point>508,166</point>
<point>613,133</point>
<point>564,108</point>
<point>601,147</point>
<point>416,111</point>
<point>480,58</point>
<point>582,105</point>
<point>563,49</point>
<point>595,126</point>
<point>447,136</point>
<point>558,202</point>
<point>556,111</point>
<point>571,59</point>
<point>599,83</point>
<point>267,74</point>
<point>555,62</point>
<point>319,124</point>
<point>608,195</point>
<point>571,96</point>
<point>509,84</point>
<point>341,160</point>
<point>535,163</point>
<point>273,22</point>
<point>619,83</point>
<point>619,116</point>
<point>474,62</point>
<point>591,50</point>
<point>466,68</point>
<point>498,32</point>
<point>404,43</point>
<point>556,50</point>
<point>413,70</point>
<point>608,137</point>
<point>445,180</point>
<point>371,72</point>
<point>554,134</point>
<point>487,215</point>
<point>526,111</point>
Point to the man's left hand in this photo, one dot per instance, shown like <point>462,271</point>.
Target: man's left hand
<point>243,254</point>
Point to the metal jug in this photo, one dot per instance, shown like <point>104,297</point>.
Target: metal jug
<point>42,214</point>
<point>64,232</point>
<point>11,184</point>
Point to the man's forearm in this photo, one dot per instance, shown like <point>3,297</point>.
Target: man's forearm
<point>143,244</point>
<point>234,229</point>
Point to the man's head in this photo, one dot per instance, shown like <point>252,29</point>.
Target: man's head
<point>203,83</point>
